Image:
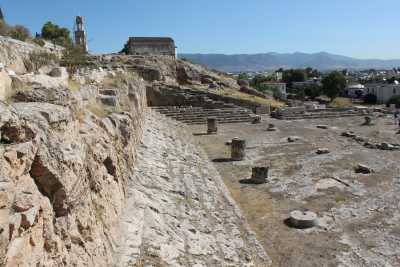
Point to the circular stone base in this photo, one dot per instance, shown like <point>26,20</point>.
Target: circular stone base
<point>303,219</point>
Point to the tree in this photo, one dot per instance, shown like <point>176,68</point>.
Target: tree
<point>391,80</point>
<point>370,99</point>
<point>74,57</point>
<point>312,90</point>
<point>56,34</point>
<point>258,79</point>
<point>125,50</point>
<point>20,32</point>
<point>395,100</point>
<point>333,84</point>
<point>243,76</point>
<point>293,75</point>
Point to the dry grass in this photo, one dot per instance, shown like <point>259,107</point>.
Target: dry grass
<point>341,102</point>
<point>97,109</point>
<point>117,81</point>
<point>243,96</point>
<point>74,86</point>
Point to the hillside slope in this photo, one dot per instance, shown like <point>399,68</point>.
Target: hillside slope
<point>268,61</point>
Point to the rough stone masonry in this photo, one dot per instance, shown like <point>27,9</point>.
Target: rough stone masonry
<point>179,213</point>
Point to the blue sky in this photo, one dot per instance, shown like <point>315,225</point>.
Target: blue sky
<point>358,28</point>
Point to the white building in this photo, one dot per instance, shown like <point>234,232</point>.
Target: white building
<point>355,90</point>
<point>383,91</point>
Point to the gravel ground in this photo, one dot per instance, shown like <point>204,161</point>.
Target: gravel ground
<point>358,213</point>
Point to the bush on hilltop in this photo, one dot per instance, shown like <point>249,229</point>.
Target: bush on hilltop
<point>56,34</point>
<point>20,32</point>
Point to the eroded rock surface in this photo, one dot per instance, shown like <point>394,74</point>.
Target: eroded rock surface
<point>63,176</point>
<point>179,212</point>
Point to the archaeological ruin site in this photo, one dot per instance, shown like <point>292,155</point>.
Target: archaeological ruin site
<point>145,159</point>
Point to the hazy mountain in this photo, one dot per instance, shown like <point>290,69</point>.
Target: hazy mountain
<point>267,61</point>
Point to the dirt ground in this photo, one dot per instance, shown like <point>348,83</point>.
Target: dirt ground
<point>358,214</point>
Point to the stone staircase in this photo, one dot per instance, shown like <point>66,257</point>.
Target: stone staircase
<point>198,115</point>
<point>317,114</point>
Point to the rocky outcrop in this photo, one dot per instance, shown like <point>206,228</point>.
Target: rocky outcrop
<point>166,70</point>
<point>64,168</point>
<point>14,54</point>
<point>5,85</point>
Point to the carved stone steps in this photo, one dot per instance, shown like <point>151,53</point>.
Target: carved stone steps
<point>320,116</point>
<point>220,122</point>
<point>199,115</point>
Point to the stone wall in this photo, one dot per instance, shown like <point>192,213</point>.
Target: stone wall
<point>64,166</point>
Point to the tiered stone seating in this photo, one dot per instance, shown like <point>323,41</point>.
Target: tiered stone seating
<point>301,113</point>
<point>199,115</point>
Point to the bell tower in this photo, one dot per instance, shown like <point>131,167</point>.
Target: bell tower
<point>1,14</point>
<point>80,34</point>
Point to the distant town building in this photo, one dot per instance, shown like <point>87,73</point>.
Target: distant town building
<point>355,90</point>
<point>161,46</point>
<point>383,91</point>
<point>279,76</point>
<point>80,34</point>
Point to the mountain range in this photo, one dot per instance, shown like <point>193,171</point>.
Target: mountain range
<point>269,61</point>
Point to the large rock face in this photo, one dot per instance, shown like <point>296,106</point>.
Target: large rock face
<point>63,176</point>
<point>5,85</point>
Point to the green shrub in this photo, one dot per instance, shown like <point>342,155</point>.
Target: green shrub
<point>39,42</point>
<point>125,50</point>
<point>395,100</point>
<point>42,58</point>
<point>74,57</point>
<point>4,28</point>
<point>20,32</point>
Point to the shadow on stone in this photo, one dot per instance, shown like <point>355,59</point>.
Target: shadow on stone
<point>250,181</point>
<point>289,224</point>
<point>221,160</point>
<point>201,134</point>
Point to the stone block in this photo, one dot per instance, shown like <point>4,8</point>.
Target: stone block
<point>238,149</point>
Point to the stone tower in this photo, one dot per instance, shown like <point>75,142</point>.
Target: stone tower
<point>1,14</point>
<point>80,34</point>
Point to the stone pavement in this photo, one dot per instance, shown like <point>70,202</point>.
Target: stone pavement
<point>178,211</point>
